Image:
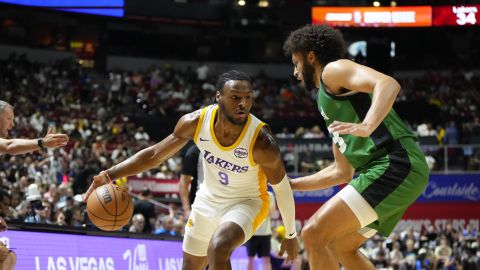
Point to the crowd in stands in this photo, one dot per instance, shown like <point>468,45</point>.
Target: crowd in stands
<point>96,111</point>
<point>432,248</point>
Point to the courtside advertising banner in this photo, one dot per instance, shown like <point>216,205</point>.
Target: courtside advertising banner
<point>452,188</point>
<point>56,251</point>
<point>441,188</point>
<point>408,16</point>
<point>447,198</point>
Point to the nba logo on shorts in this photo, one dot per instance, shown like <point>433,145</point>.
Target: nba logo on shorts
<point>240,152</point>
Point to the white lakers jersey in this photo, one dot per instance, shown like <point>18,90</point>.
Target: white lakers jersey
<point>229,171</point>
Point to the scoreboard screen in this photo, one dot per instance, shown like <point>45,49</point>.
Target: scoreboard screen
<point>461,15</point>
<point>400,16</point>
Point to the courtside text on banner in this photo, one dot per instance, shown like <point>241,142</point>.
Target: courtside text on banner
<point>57,251</point>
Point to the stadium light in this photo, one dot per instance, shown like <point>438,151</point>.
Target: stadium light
<point>263,3</point>
<point>241,3</point>
<point>376,3</point>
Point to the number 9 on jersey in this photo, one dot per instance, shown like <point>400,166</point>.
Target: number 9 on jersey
<point>223,178</point>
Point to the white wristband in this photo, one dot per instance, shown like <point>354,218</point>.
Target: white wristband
<point>286,205</point>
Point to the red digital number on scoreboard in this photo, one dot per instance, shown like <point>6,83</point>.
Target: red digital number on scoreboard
<point>461,15</point>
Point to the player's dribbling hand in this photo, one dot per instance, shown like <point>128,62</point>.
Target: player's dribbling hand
<point>291,247</point>
<point>98,180</point>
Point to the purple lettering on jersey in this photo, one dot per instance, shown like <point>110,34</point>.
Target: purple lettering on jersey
<point>221,163</point>
<point>236,168</point>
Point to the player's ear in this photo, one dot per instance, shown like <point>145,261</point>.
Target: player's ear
<point>311,57</point>
<point>217,96</point>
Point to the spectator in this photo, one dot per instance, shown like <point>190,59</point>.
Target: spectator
<point>443,255</point>
<point>138,224</point>
<point>167,226</point>
<point>451,134</point>
<point>141,135</point>
<point>395,256</point>
<point>146,208</point>
<point>423,262</point>
<point>469,233</point>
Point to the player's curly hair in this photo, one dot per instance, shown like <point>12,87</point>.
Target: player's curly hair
<point>327,43</point>
<point>234,75</point>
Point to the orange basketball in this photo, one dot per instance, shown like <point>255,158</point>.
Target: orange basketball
<point>109,207</point>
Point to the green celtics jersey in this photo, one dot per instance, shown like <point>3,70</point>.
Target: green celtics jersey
<point>352,108</point>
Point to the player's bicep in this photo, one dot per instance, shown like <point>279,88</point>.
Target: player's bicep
<point>183,132</point>
<point>187,125</point>
<point>352,76</point>
<point>267,155</point>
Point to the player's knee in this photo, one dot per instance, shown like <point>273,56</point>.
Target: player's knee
<point>10,261</point>
<point>219,248</point>
<point>313,236</point>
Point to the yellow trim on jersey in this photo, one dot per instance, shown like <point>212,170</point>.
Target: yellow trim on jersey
<point>265,208</point>
<point>214,137</point>
<point>199,124</point>
<point>252,143</point>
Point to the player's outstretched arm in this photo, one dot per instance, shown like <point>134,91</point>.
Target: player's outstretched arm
<point>346,74</point>
<point>152,156</point>
<point>267,154</point>
<point>22,146</point>
<point>337,173</point>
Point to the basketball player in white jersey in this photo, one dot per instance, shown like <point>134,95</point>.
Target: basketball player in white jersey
<point>239,155</point>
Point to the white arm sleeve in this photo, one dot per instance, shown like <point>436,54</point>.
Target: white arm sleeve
<point>286,205</point>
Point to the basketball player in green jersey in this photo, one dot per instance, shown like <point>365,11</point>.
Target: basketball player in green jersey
<point>368,138</point>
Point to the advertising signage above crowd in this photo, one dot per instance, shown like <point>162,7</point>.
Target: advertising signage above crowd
<point>408,16</point>
<point>113,8</point>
